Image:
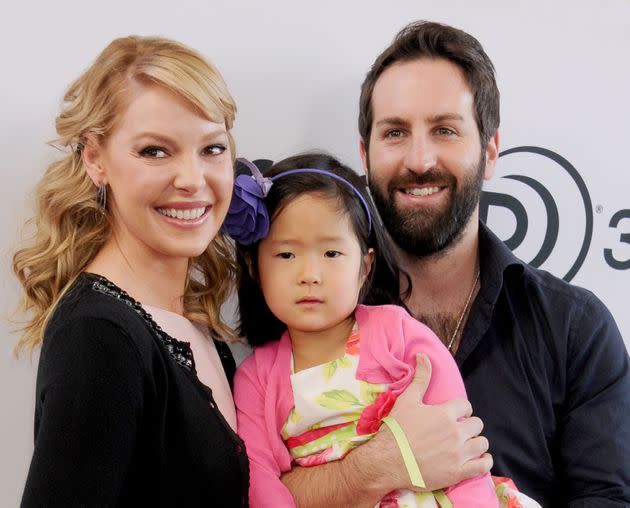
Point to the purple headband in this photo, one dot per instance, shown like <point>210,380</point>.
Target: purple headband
<point>247,219</point>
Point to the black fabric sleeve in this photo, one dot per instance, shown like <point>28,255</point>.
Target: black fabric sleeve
<point>595,431</point>
<point>89,407</point>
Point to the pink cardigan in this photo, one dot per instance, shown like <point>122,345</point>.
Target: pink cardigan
<point>390,339</point>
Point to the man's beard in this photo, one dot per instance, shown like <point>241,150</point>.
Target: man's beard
<point>423,231</point>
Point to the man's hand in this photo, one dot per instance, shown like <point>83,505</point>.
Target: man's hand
<point>444,438</point>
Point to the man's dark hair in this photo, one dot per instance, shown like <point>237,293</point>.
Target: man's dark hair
<point>426,39</point>
<point>257,323</point>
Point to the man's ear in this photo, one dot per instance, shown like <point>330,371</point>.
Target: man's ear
<point>92,157</point>
<point>492,155</point>
<point>364,157</point>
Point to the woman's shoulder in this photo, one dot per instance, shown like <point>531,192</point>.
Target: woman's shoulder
<point>95,312</point>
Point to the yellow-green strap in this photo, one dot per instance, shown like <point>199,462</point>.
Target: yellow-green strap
<point>405,451</point>
<point>441,498</point>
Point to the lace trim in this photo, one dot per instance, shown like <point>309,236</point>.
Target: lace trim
<point>180,351</point>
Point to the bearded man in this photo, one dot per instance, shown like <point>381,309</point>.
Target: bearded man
<point>543,362</point>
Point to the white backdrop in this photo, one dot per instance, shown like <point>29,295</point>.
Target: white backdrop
<point>295,69</point>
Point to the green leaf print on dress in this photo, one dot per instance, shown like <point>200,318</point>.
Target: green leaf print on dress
<point>344,363</point>
<point>368,392</point>
<point>329,370</point>
<point>331,367</point>
<point>337,399</point>
<point>294,416</point>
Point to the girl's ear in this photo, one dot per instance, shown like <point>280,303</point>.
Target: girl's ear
<point>92,157</point>
<point>368,261</point>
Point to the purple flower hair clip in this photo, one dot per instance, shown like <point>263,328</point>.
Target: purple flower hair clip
<point>247,220</point>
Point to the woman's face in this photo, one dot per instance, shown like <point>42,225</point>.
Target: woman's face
<point>169,172</point>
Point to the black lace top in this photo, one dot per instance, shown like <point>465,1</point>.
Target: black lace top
<point>121,418</point>
<point>180,351</point>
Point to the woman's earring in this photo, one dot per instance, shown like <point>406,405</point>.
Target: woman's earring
<point>101,198</point>
<point>250,267</point>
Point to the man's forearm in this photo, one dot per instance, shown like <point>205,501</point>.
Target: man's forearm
<point>361,479</point>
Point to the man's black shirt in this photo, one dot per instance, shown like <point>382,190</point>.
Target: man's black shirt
<point>546,369</point>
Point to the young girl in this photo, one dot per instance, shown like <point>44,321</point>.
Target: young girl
<point>326,370</point>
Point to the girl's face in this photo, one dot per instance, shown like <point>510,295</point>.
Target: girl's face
<point>310,265</point>
<point>169,173</point>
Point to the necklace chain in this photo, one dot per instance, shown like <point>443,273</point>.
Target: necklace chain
<point>464,310</point>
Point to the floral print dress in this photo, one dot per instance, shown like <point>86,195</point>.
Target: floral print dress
<point>335,412</point>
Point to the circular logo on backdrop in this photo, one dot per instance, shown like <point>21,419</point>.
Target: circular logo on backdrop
<point>539,205</point>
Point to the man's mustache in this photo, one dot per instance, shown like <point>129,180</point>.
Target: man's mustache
<point>435,177</point>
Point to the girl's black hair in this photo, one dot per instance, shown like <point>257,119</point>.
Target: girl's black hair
<point>257,323</point>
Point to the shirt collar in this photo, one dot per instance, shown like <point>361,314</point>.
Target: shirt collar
<point>496,263</point>
<point>495,258</point>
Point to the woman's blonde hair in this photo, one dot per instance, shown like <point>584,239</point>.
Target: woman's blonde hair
<point>68,230</point>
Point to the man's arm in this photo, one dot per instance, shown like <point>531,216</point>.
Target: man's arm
<point>444,439</point>
<point>595,425</point>
<point>361,479</point>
